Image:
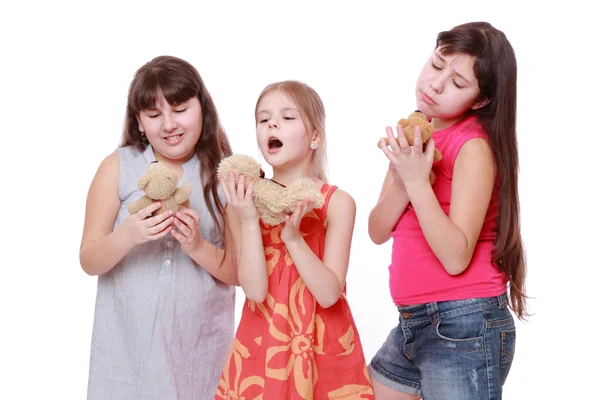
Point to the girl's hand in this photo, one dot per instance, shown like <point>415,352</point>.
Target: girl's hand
<point>140,228</point>
<point>187,232</point>
<point>409,163</point>
<point>291,230</point>
<point>240,198</point>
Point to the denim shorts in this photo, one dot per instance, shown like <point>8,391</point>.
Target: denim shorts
<point>451,350</point>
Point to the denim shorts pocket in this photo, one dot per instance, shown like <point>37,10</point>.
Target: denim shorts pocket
<point>509,338</point>
<point>462,332</point>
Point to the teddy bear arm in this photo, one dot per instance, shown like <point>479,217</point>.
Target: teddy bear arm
<point>140,203</point>
<point>183,193</point>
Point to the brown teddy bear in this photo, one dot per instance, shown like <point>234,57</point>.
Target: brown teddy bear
<point>409,124</point>
<point>159,183</point>
<point>273,201</point>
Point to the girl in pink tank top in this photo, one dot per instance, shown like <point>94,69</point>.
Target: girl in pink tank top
<point>457,242</point>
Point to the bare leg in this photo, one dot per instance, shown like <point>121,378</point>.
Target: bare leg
<point>383,392</point>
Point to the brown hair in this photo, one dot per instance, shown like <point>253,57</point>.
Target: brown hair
<point>496,72</point>
<point>312,112</point>
<point>179,81</point>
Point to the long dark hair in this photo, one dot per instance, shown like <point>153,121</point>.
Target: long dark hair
<point>496,72</point>
<point>179,81</point>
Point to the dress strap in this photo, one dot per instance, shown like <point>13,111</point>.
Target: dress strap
<point>327,191</point>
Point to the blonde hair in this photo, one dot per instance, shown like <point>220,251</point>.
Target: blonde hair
<point>312,113</point>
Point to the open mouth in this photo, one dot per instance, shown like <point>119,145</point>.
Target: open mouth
<point>274,143</point>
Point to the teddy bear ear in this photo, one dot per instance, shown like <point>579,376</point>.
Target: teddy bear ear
<point>143,182</point>
<point>418,114</point>
<point>403,122</point>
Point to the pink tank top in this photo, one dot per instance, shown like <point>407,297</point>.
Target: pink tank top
<point>416,275</point>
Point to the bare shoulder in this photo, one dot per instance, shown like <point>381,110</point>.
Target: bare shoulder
<point>106,179</point>
<point>110,163</point>
<point>342,205</point>
<point>103,200</point>
<point>475,150</point>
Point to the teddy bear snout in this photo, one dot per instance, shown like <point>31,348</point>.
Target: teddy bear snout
<point>161,187</point>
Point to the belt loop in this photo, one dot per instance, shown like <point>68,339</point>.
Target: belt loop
<point>501,301</point>
<point>432,310</point>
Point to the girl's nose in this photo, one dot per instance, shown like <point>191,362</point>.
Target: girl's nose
<point>169,123</point>
<point>437,85</point>
<point>273,123</point>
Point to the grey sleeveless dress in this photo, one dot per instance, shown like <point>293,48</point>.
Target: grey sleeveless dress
<point>163,326</point>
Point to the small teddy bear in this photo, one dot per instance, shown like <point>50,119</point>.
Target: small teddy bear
<point>159,183</point>
<point>417,118</point>
<point>272,200</point>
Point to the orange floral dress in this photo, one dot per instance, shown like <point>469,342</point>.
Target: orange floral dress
<point>289,347</point>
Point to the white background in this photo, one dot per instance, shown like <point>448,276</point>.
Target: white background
<point>64,73</point>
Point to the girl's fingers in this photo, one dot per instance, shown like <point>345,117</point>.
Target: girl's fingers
<point>418,143</point>
<point>430,148</point>
<point>402,138</point>
<point>386,151</point>
<point>192,213</point>
<point>231,184</point>
<point>146,211</point>
<point>298,213</point>
<point>249,190</point>
<point>241,185</point>
<point>183,228</point>
<point>158,219</point>
<point>160,228</point>
<point>225,190</point>
<point>178,236</point>
<point>186,219</point>
<point>164,232</point>
<point>391,139</point>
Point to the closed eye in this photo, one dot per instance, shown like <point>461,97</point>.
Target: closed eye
<point>435,66</point>
<point>180,111</point>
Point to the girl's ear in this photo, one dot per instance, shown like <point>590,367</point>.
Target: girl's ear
<point>316,140</point>
<point>480,104</point>
<point>140,127</point>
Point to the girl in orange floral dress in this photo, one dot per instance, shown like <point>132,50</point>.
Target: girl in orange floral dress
<point>296,338</point>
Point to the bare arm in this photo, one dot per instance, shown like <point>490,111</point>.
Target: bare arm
<point>453,238</point>
<point>245,232</point>
<point>252,265</point>
<point>101,247</point>
<point>388,210</point>
<point>325,279</point>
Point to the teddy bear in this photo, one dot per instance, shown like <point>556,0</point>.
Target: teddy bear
<point>417,118</point>
<point>272,200</point>
<point>159,183</point>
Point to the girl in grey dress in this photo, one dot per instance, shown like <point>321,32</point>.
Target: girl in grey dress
<point>164,308</point>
